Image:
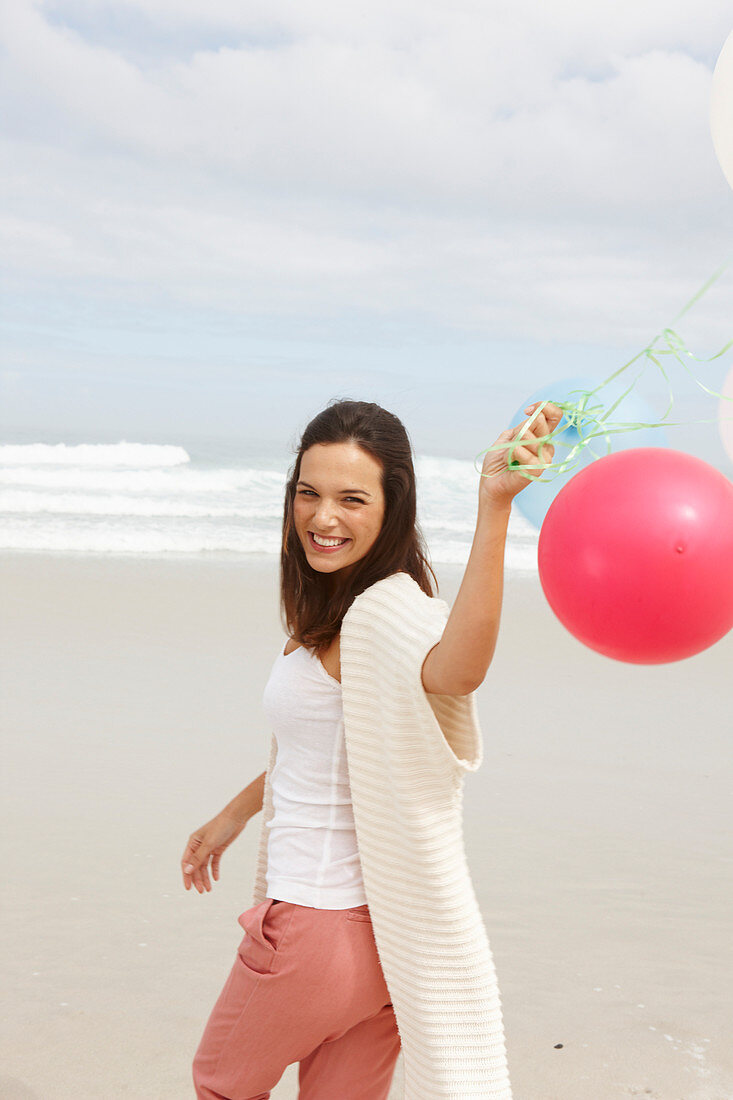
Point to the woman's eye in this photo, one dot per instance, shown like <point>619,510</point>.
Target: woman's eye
<point>308,492</point>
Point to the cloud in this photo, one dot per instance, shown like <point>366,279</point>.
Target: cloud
<point>494,170</point>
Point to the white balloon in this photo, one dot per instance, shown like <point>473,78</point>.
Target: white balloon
<point>721,109</point>
<point>725,415</point>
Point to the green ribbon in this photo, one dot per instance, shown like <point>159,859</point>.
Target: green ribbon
<point>588,414</point>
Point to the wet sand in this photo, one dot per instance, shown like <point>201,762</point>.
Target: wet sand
<point>598,831</point>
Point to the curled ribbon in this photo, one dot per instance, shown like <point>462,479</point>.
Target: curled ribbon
<point>588,414</point>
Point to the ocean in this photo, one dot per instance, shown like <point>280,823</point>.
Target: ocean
<point>203,499</point>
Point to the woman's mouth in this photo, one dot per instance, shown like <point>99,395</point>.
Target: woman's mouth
<point>327,546</point>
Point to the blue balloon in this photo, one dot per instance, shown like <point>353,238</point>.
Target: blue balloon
<point>534,501</point>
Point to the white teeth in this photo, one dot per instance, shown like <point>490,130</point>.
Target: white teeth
<point>328,542</point>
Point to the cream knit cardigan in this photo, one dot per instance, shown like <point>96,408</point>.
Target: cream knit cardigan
<point>408,752</point>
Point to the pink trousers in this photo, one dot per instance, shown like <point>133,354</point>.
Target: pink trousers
<point>306,986</point>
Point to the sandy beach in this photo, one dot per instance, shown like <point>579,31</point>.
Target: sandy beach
<point>598,831</point>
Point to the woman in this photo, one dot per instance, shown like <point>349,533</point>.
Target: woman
<point>365,936</point>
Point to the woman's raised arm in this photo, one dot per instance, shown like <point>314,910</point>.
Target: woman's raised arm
<point>458,664</point>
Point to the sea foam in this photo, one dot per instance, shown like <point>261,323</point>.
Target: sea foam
<point>159,498</point>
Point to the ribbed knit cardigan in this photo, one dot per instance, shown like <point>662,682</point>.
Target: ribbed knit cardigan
<point>408,752</point>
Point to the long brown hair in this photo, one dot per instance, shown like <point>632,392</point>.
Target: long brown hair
<point>310,610</point>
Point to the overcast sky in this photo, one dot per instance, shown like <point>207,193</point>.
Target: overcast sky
<point>217,216</point>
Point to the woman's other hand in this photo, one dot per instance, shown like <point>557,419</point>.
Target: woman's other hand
<point>506,483</point>
<point>207,844</point>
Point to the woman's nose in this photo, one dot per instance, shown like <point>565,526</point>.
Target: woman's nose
<point>324,512</point>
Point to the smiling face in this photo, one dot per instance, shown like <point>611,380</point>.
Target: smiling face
<point>338,499</point>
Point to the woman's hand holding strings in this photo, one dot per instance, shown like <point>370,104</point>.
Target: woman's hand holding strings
<point>505,482</point>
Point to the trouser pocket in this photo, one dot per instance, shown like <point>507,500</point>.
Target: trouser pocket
<point>264,926</point>
<point>361,912</point>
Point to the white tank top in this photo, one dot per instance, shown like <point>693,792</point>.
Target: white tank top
<point>312,854</point>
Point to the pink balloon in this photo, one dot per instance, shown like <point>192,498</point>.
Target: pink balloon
<point>636,555</point>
